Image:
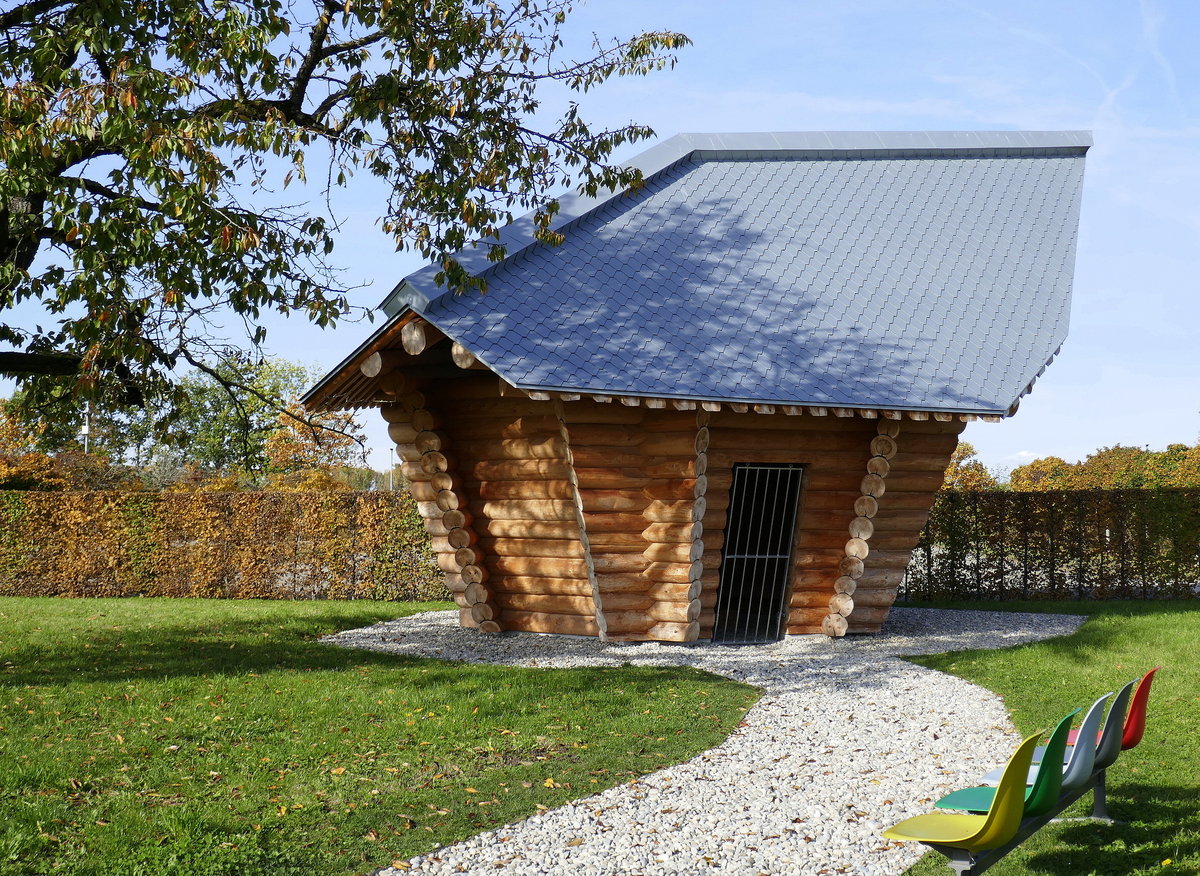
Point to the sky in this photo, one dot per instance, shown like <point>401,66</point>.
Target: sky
<point>1125,70</point>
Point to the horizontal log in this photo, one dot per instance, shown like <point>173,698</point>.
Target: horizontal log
<point>659,511</point>
<point>396,413</point>
<point>671,553</point>
<point>682,443</point>
<point>592,478</point>
<point>587,413</point>
<point>682,488</point>
<point>519,528</point>
<point>869,614</point>
<point>422,491</point>
<point>674,572</point>
<point>550,603</point>
<point>611,500</point>
<point>484,431</point>
<point>605,435</point>
<point>673,533</point>
<point>465,619</point>
<point>875,598</point>
<point>671,591</point>
<point>814,599</point>
<point>727,420</point>
<point>617,542</point>
<point>896,541</point>
<point>676,468</point>
<point>475,592</point>
<point>454,583</point>
<point>622,582</point>
<point>628,622</point>
<point>606,457</point>
<point>613,521</point>
<point>549,447</point>
<point>523,490</point>
<point>532,547</point>
<point>915,481</point>
<point>540,584</point>
<point>553,567</point>
<point>675,612</point>
<point>898,520</point>
<point>664,631</point>
<point>468,387</point>
<point>881,579</point>
<point>606,563</point>
<point>823,557</point>
<point>517,469</point>
<point>524,509</point>
<point>547,622</point>
<point>626,601</point>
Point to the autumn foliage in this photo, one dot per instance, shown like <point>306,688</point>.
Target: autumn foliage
<point>250,544</point>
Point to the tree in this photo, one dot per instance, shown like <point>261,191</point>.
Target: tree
<point>1048,473</point>
<point>966,472</point>
<point>228,412</point>
<point>146,146</point>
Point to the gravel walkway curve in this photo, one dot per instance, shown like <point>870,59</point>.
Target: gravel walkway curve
<point>845,741</point>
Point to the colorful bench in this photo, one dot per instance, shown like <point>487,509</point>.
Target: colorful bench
<point>1052,777</point>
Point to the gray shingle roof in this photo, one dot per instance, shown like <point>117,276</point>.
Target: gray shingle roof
<point>926,271</point>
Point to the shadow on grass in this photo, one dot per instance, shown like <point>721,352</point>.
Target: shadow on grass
<point>1158,824</point>
<point>243,646</point>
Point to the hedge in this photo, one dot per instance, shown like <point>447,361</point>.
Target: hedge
<point>335,545</point>
<point>1079,544</point>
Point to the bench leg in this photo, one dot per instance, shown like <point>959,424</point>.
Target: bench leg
<point>1100,799</point>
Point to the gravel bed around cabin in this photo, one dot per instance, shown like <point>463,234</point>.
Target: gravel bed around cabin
<point>845,741</point>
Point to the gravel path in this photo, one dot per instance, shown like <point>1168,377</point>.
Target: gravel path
<point>845,741</point>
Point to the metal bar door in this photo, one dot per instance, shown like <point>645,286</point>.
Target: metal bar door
<point>756,560</point>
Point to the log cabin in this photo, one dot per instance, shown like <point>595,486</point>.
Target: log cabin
<point>720,409</point>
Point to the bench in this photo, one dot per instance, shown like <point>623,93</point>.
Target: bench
<point>1005,816</point>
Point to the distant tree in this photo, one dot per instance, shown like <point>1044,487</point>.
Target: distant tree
<point>1048,473</point>
<point>227,413</point>
<point>966,472</point>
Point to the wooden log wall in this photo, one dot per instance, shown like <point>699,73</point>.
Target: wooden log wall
<point>431,469</point>
<point>607,519</point>
<point>520,497</point>
<point>915,473</point>
<point>834,453</point>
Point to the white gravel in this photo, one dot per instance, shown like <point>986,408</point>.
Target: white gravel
<point>845,741</point>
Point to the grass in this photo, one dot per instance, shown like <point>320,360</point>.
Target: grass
<point>220,739</point>
<point>1155,788</point>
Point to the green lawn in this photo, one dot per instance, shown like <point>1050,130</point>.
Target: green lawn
<point>1155,788</point>
<point>211,738</point>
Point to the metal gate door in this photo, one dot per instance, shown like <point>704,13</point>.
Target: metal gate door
<point>757,557</point>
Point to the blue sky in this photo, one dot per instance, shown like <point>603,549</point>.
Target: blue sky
<point>1125,70</point>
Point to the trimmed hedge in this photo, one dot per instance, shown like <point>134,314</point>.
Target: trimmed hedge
<point>1078,544</point>
<point>267,545</point>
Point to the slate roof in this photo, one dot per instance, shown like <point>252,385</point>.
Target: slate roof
<point>925,271</point>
